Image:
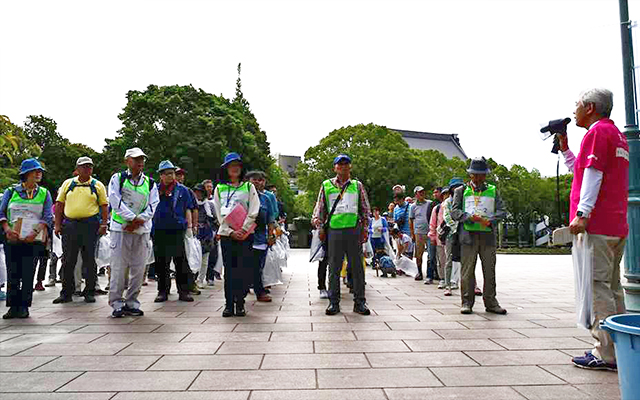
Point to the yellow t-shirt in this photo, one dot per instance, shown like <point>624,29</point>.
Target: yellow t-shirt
<point>80,202</point>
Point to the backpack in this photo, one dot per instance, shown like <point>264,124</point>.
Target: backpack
<point>92,185</point>
<point>386,263</point>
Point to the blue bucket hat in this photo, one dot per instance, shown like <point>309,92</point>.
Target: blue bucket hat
<point>342,157</point>
<point>455,182</point>
<point>478,166</point>
<point>229,158</point>
<point>166,164</point>
<point>30,164</point>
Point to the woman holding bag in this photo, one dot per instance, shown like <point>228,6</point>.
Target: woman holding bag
<point>236,236</point>
<point>25,215</point>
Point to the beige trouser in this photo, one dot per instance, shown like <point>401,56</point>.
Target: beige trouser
<point>608,298</point>
<point>442,265</point>
<point>483,245</point>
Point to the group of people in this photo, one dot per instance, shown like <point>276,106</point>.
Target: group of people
<point>142,218</point>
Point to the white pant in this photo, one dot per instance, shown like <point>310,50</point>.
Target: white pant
<point>129,253</point>
<point>202,275</point>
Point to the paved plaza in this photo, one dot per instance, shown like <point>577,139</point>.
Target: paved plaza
<point>415,345</point>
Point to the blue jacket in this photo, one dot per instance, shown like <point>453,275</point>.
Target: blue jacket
<point>265,217</point>
<point>171,213</point>
<point>401,217</point>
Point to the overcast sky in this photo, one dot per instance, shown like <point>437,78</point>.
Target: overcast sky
<point>490,71</point>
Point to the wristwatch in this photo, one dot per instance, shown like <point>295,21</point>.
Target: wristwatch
<point>580,214</point>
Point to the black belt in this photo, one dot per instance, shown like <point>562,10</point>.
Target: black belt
<point>88,219</point>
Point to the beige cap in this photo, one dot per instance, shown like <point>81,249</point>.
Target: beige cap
<point>83,161</point>
<point>134,152</point>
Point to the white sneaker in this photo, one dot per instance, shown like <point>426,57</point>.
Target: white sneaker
<point>210,283</point>
<point>441,285</point>
<point>324,294</point>
<point>454,286</point>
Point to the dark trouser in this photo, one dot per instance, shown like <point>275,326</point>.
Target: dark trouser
<point>322,269</point>
<point>432,264</point>
<point>213,260</point>
<point>345,242</point>
<point>40,262</point>
<point>237,260</point>
<point>259,257</point>
<point>483,245</point>
<point>20,259</point>
<point>167,245</point>
<point>79,236</point>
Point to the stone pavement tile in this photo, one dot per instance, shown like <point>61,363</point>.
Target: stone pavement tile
<point>495,376</point>
<point>227,337</point>
<point>357,318</point>
<point>458,393</point>
<point>138,349</point>
<point>555,323</point>
<point>9,349</point>
<point>34,381</point>
<point>130,381</point>
<point>314,361</point>
<point>56,396</point>
<point>361,346</point>
<point>448,318</point>
<point>417,326</point>
<point>396,335</point>
<point>141,337</point>
<point>76,349</point>
<point>519,357</point>
<point>376,378</point>
<point>168,321</point>
<point>7,336</point>
<point>254,380</point>
<point>105,320</point>
<point>507,324</point>
<point>541,344</point>
<point>41,329</point>
<point>516,317</point>
<point>22,364</point>
<point>550,392</point>
<point>34,320</point>
<point>100,363</point>
<point>117,329</point>
<point>331,394</point>
<point>208,362</point>
<point>575,375</point>
<point>313,336</point>
<point>555,332</point>
<point>326,327</point>
<point>452,345</point>
<point>314,319</point>
<point>266,348</point>
<point>477,333</point>
<point>253,318</point>
<point>227,395</point>
<point>273,327</point>
<point>602,391</point>
<point>410,360</point>
<point>37,338</point>
<point>194,328</point>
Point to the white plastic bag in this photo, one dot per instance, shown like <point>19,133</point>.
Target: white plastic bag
<point>367,249</point>
<point>193,248</point>
<point>218,266</point>
<point>316,253</point>
<point>57,246</point>
<point>3,266</point>
<point>103,253</point>
<point>407,266</point>
<point>272,274</point>
<point>582,254</point>
<point>151,258</point>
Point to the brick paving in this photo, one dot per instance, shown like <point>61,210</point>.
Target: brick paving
<point>415,345</point>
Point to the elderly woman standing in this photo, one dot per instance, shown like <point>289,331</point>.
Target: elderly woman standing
<point>236,241</point>
<point>25,214</point>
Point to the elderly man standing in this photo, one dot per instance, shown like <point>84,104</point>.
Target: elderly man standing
<point>347,230</point>
<point>83,200</point>
<point>133,197</point>
<point>419,216</point>
<point>479,206</point>
<point>599,213</point>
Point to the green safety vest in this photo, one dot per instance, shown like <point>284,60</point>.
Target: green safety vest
<point>134,197</point>
<point>231,195</point>
<point>482,204</point>
<point>26,208</point>
<point>346,213</point>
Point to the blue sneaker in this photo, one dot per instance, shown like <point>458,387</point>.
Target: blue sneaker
<point>589,361</point>
<point>117,313</point>
<point>3,295</point>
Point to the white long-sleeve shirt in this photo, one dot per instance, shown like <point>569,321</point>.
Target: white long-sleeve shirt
<point>252,212</point>
<point>117,205</point>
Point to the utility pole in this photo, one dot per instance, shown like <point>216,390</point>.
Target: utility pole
<point>632,253</point>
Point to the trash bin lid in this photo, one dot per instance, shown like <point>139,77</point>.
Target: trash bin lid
<point>626,323</point>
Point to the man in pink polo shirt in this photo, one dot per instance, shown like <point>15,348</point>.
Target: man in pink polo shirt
<point>599,198</point>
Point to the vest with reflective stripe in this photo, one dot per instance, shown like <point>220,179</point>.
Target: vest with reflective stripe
<point>346,213</point>
<point>134,197</point>
<point>231,195</point>
<point>482,204</point>
<point>26,208</point>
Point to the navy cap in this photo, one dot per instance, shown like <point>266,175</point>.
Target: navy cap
<point>229,158</point>
<point>340,158</point>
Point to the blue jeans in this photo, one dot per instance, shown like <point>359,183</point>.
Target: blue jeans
<point>432,263</point>
<point>259,258</point>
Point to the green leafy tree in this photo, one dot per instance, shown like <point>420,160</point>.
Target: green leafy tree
<point>15,147</point>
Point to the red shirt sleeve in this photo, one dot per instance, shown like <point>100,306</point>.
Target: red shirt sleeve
<point>595,149</point>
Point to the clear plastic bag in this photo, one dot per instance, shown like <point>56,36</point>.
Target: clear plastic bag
<point>3,266</point>
<point>103,251</point>
<point>407,266</point>
<point>56,245</point>
<point>218,266</point>
<point>316,253</point>
<point>367,249</point>
<point>272,274</point>
<point>582,254</point>
<point>151,258</point>
<point>193,248</point>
